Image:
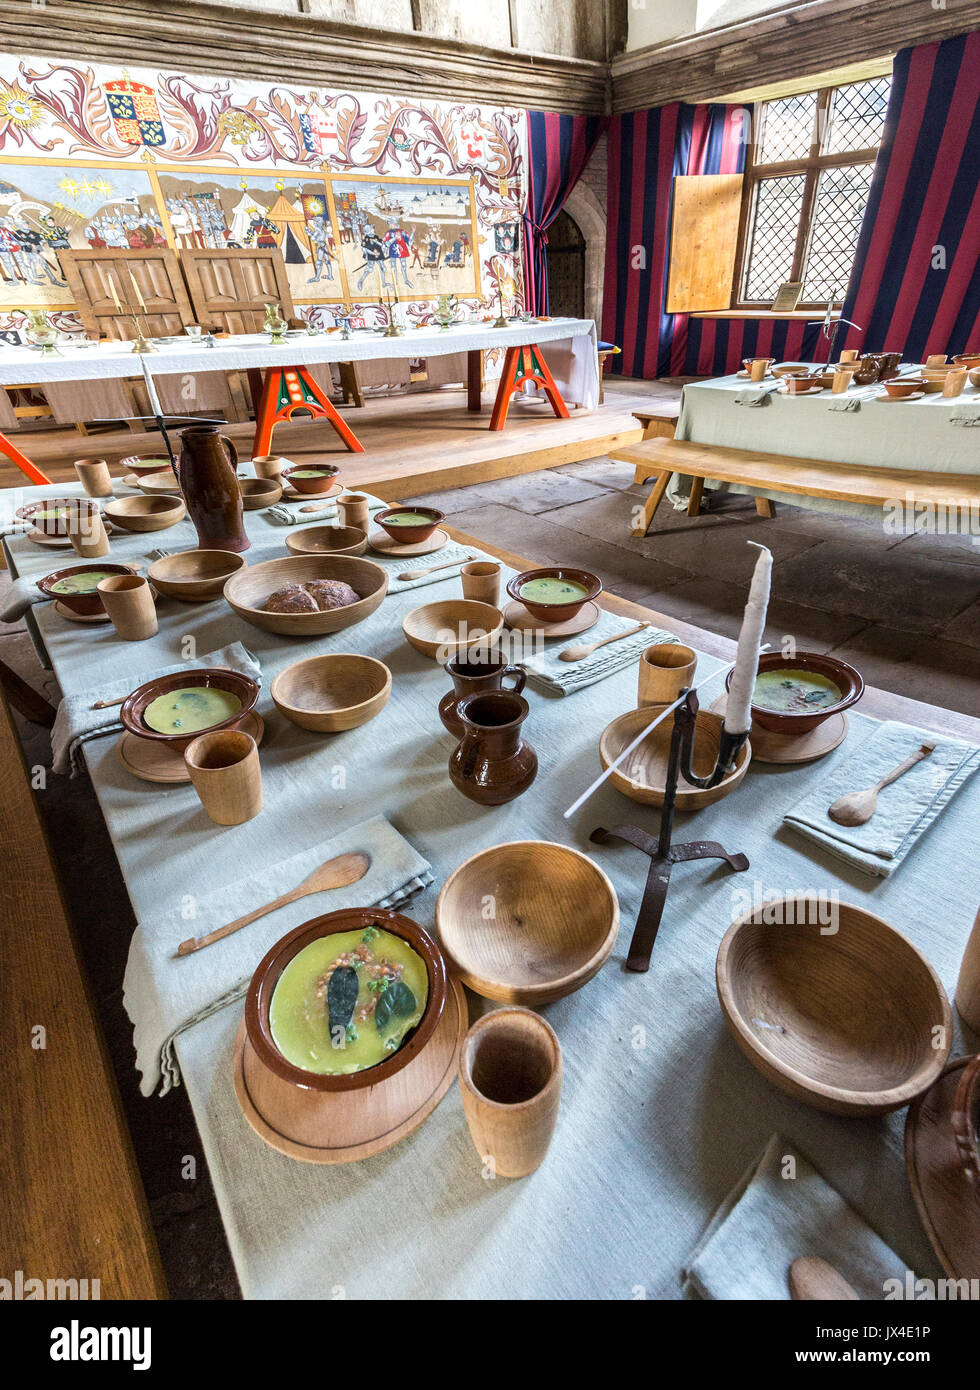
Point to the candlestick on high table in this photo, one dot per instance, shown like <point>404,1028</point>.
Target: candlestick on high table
<point>738,715</point>
<point>139,296</point>
<point>114,292</point>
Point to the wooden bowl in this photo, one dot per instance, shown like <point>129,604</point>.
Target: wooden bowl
<point>323,482</point>
<point>554,922</point>
<point>194,576</point>
<point>56,525</point>
<point>973,376</point>
<point>409,535</point>
<point>440,630</point>
<point>328,694</point>
<point>904,385</point>
<point>844,1020</point>
<point>555,612</point>
<point>162,484</point>
<point>642,777</point>
<point>146,513</point>
<point>216,677</point>
<point>259,492</point>
<point>86,605</point>
<point>327,540</point>
<point>791,368</point>
<point>247,590</point>
<point>849,681</point>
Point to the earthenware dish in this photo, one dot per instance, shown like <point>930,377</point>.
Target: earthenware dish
<point>840,1012</point>
<point>52,527</point>
<point>327,694</point>
<point>409,535</point>
<point>259,492</point>
<point>643,776</point>
<point>85,605</point>
<point>555,612</point>
<point>327,540</point>
<point>554,921</point>
<point>146,513</point>
<point>323,482</point>
<point>848,681</point>
<point>246,591</point>
<point>440,630</point>
<point>235,682</point>
<point>194,576</point>
<point>143,467</point>
<point>904,385</point>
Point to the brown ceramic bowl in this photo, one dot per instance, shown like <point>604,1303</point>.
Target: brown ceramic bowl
<point>216,677</point>
<point>409,535</point>
<point>967,359</point>
<point>798,383</point>
<point>55,525</point>
<point>849,682</point>
<point>555,612</point>
<point>144,466</point>
<point>321,482</point>
<point>260,991</point>
<point>747,363</point>
<point>259,492</point>
<point>904,385</point>
<point>327,540</point>
<point>86,605</point>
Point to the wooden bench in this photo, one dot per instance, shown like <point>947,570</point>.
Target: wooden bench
<point>841,482</point>
<point>72,1205</point>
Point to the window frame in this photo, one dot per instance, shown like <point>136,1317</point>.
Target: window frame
<point>810,166</point>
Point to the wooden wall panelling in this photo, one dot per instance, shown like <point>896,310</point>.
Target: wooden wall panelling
<point>230,289</point>
<point>703,242</point>
<point>157,274</point>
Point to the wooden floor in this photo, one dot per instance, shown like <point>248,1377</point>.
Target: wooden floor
<point>413,443</point>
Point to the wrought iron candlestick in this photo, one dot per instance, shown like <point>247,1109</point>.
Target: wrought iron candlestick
<point>663,855</point>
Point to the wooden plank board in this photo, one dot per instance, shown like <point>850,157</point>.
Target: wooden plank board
<point>156,272</point>
<point>703,242</point>
<point>71,1202</point>
<point>229,289</point>
<point>841,482</point>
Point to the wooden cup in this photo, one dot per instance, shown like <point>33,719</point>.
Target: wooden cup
<point>758,368</point>
<point>94,476</point>
<point>510,1074</point>
<point>353,510</point>
<point>955,381</point>
<point>224,767</point>
<point>270,466</point>
<point>850,355</point>
<point>664,671</point>
<point>86,530</point>
<point>936,359</point>
<point>128,599</point>
<point>481,581</point>
<point>968,985</point>
<point>843,377</point>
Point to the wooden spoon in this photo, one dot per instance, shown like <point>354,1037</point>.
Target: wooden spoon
<point>811,1278</point>
<point>583,650</point>
<point>334,873</point>
<point>858,807</point>
<point>431,569</point>
<point>107,704</point>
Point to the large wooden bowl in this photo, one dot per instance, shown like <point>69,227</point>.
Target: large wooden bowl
<point>146,513</point>
<point>327,540</point>
<point>215,677</point>
<point>643,776</point>
<point>554,921</point>
<point>194,576</point>
<point>248,590</point>
<point>328,694</point>
<point>441,630</point>
<point>848,1020</point>
<point>158,484</point>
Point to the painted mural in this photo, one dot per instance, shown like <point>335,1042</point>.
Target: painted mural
<point>365,195</point>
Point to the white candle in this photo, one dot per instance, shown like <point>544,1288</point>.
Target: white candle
<point>115,293</point>
<point>139,296</point>
<point>738,716</point>
<point>151,390</point>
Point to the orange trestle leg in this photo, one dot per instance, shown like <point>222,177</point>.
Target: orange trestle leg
<point>292,388</point>
<point>22,461</point>
<point>524,364</point>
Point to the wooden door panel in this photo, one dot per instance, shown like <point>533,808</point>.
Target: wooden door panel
<point>155,271</point>
<point>230,289</point>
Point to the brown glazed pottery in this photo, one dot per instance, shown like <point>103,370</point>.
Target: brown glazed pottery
<point>235,682</point>
<point>207,476</point>
<point>471,678</point>
<point>967,359</point>
<point>266,1055</point>
<point>322,481</point>
<point>888,365</point>
<point>492,764</point>
<point>56,525</point>
<point>555,612</point>
<point>868,369</point>
<point>409,535</point>
<point>798,383</point>
<point>849,681</point>
<point>904,385</point>
<point>85,605</point>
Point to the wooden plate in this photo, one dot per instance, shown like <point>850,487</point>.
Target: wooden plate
<point>155,762</point>
<point>768,747</point>
<point>516,616</point>
<point>913,396</point>
<point>64,612</point>
<point>382,542</point>
<point>398,1106</point>
<point>293,494</point>
<point>947,1202</point>
<point>50,542</point>
<point>810,391</point>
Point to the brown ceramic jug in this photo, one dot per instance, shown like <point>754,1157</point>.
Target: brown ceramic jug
<point>492,763</point>
<point>470,678</point>
<point>206,474</point>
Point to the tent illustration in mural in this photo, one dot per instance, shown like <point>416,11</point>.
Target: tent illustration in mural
<point>412,239</point>
<point>221,210</point>
<point>47,207</point>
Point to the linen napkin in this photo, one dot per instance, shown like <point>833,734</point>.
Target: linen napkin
<point>965,414</point>
<point>770,1219</point>
<point>906,809</point>
<point>76,721</point>
<point>21,595</point>
<point>458,554</point>
<point>851,400</point>
<point>288,513</point>
<point>755,395</point>
<point>546,671</point>
<point>165,993</point>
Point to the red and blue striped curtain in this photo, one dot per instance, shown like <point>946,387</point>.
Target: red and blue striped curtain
<point>558,150</point>
<point>915,284</point>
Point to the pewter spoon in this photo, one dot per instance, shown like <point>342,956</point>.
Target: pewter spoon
<point>858,807</point>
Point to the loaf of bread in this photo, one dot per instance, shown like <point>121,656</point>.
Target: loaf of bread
<point>331,593</point>
<point>291,598</point>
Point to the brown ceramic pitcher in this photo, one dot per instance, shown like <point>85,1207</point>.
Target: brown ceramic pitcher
<point>492,763</point>
<point>206,474</point>
<point>471,678</point>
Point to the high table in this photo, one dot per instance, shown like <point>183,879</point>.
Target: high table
<point>661,1114</point>
<point>572,370</point>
